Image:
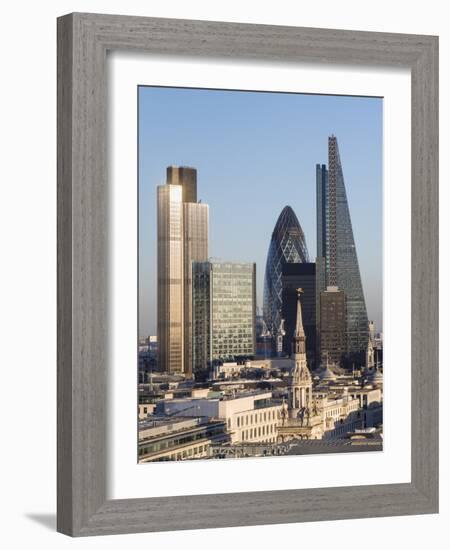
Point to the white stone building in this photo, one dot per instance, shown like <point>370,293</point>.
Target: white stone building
<point>249,416</point>
<point>331,407</point>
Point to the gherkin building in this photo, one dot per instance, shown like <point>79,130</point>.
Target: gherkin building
<point>287,245</point>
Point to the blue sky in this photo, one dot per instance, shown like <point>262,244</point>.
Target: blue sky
<point>255,152</point>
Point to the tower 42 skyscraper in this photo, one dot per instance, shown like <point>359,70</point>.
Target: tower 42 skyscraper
<point>336,251</point>
<point>182,239</point>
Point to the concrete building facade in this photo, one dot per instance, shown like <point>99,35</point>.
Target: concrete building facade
<point>249,416</point>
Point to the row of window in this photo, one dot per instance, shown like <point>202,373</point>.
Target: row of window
<point>178,441</point>
<point>245,420</point>
<point>261,431</point>
<point>196,452</point>
<point>350,408</point>
<point>344,428</point>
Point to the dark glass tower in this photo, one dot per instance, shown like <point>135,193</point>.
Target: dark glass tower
<point>287,245</point>
<point>333,325</point>
<point>336,251</point>
<point>295,276</point>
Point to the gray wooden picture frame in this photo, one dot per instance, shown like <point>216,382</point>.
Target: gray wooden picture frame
<point>83,41</point>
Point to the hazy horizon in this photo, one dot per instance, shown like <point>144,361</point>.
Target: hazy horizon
<point>256,152</point>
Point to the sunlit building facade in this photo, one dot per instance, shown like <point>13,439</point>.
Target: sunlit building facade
<point>182,238</point>
<point>195,248</point>
<point>170,278</point>
<point>224,311</point>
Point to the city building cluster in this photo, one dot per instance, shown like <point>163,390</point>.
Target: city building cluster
<point>221,379</point>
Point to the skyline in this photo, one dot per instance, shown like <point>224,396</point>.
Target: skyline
<point>262,148</point>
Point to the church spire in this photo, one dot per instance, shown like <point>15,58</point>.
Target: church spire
<point>299,334</point>
<point>300,390</point>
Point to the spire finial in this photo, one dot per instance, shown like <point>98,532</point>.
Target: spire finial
<point>299,324</point>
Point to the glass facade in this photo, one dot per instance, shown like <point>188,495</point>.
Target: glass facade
<point>287,245</point>
<point>300,276</point>
<point>182,239</point>
<point>224,311</point>
<point>195,248</point>
<point>333,325</point>
<point>174,445</point>
<point>170,278</point>
<point>201,315</point>
<point>336,250</point>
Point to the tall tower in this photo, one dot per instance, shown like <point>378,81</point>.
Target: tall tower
<point>322,225</point>
<point>333,325</point>
<point>224,310</point>
<point>287,245</point>
<point>300,390</point>
<point>322,240</point>
<point>182,239</point>
<point>303,276</point>
<point>336,246</point>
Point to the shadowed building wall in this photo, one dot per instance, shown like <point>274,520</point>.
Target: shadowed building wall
<point>333,325</point>
<point>303,276</point>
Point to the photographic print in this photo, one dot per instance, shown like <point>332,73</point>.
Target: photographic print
<point>260,274</point>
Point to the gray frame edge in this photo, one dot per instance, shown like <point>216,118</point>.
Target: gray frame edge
<point>83,40</point>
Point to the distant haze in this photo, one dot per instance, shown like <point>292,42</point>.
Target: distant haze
<point>256,153</point>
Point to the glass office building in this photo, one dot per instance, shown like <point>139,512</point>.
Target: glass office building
<point>333,326</point>
<point>337,260</point>
<point>287,245</point>
<point>195,248</point>
<point>170,278</point>
<point>223,311</point>
<point>182,238</point>
<point>294,276</point>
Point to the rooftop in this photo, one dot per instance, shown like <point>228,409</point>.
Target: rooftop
<point>323,446</point>
<point>164,425</point>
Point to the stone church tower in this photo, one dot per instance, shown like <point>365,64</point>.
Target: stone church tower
<point>370,355</point>
<point>300,390</point>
